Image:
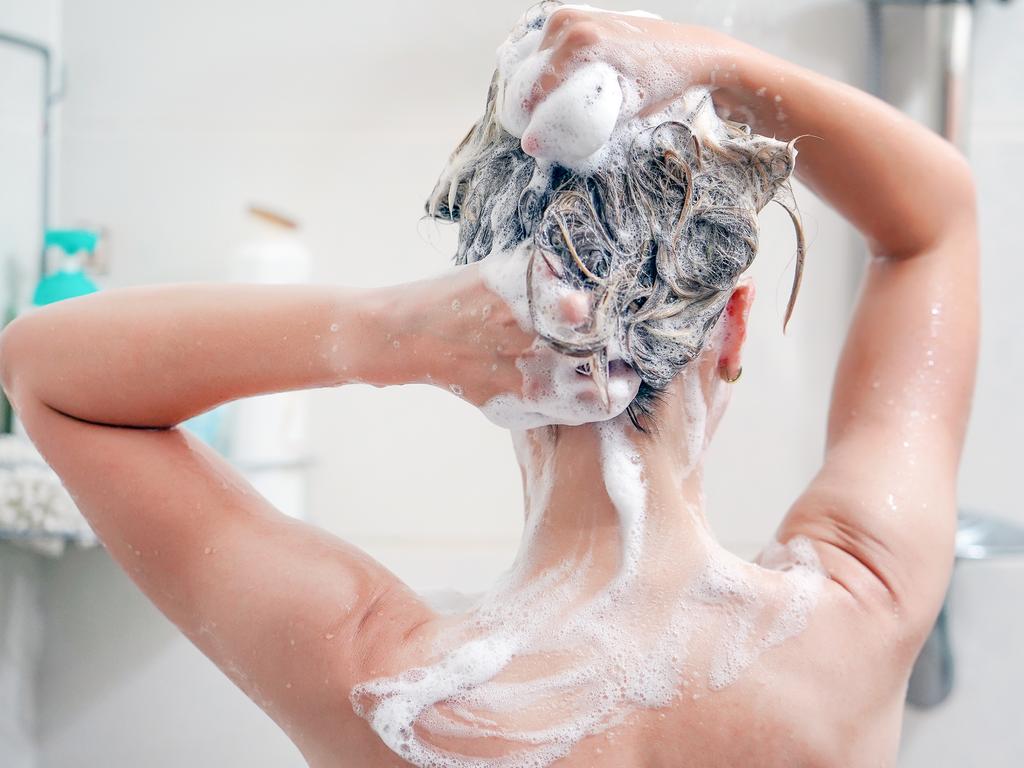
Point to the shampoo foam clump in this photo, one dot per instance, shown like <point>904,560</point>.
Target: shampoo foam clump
<point>574,123</point>
<point>581,117</point>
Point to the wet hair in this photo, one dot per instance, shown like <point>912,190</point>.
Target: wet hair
<point>660,235</point>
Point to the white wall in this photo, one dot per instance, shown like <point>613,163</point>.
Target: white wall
<point>982,722</point>
<point>991,467</point>
<point>178,114</point>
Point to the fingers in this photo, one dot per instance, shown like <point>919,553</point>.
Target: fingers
<point>571,391</point>
<point>574,308</point>
<point>569,34</point>
<point>556,308</point>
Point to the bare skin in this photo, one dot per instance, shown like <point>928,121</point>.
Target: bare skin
<point>297,617</point>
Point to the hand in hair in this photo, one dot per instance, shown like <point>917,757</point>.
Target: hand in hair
<point>664,58</point>
<point>474,336</point>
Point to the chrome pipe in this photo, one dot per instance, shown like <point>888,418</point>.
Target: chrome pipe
<point>48,100</point>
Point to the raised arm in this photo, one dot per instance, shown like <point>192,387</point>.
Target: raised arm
<point>883,507</point>
<point>288,612</point>
<point>886,494</point>
<point>293,615</point>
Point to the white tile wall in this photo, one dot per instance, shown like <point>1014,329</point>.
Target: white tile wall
<point>982,722</point>
<point>991,466</point>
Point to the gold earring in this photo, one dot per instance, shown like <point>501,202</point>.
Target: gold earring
<point>725,377</point>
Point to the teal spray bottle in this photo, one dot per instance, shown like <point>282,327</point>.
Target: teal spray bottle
<point>69,279</point>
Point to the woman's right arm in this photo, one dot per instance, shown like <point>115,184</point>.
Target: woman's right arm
<point>884,501</point>
<point>883,507</point>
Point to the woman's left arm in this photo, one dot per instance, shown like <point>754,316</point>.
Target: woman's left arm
<point>153,357</point>
<point>290,613</point>
<point>293,615</point>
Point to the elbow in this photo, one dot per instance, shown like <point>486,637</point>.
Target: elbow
<point>17,340</point>
<point>960,217</point>
<point>935,216</point>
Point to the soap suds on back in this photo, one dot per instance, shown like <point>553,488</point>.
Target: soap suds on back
<point>545,659</point>
<point>549,656</point>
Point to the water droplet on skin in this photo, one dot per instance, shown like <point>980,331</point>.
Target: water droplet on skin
<point>329,636</point>
<point>456,305</point>
<point>396,344</point>
<point>334,327</point>
<point>456,389</point>
<point>208,551</point>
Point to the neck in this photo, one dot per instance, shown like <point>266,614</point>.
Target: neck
<point>609,492</point>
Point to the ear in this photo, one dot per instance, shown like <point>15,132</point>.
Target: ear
<point>734,316</point>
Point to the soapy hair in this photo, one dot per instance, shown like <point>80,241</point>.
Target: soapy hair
<point>659,236</point>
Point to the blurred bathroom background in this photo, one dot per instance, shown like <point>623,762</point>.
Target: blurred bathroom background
<point>171,120</point>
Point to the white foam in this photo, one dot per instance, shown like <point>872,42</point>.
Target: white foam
<point>553,391</point>
<point>622,470</point>
<point>593,109</point>
<point>577,119</point>
<point>574,122</point>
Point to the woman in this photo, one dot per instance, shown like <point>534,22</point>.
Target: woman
<point>623,635</point>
